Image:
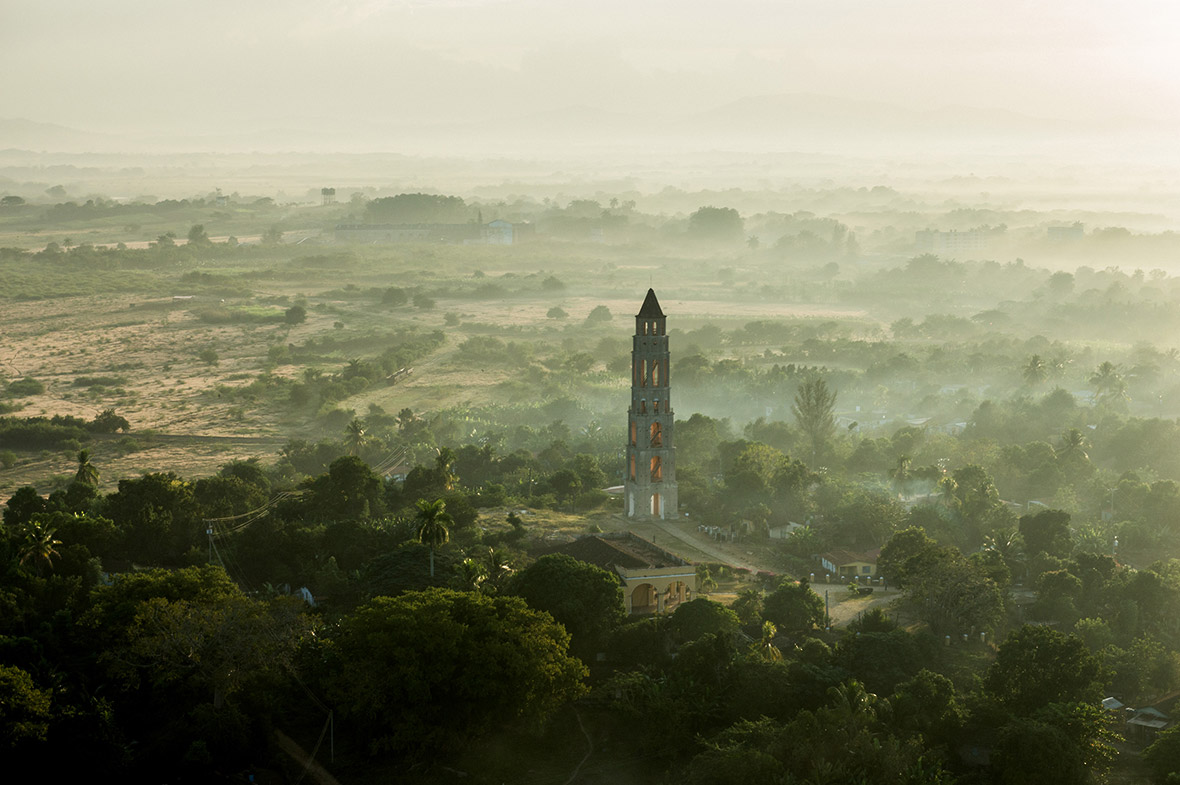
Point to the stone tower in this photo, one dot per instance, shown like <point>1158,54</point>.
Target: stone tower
<point>650,487</point>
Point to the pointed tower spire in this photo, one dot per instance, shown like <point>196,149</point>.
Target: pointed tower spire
<point>651,307</point>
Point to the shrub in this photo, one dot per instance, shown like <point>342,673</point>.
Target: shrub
<point>25,387</point>
<point>296,314</point>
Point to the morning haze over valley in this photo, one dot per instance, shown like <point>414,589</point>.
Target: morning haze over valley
<point>501,391</point>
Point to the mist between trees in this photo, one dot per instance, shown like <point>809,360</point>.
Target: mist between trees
<point>425,420</point>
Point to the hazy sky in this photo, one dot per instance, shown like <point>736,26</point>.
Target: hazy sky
<point>202,66</point>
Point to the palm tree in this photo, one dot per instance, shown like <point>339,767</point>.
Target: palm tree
<point>472,574</point>
<point>355,437</point>
<point>38,546</point>
<point>1009,544</point>
<point>1073,442</point>
<point>442,465</point>
<point>498,569</point>
<point>1109,383</point>
<point>433,520</point>
<point>766,647</point>
<point>1035,372</point>
<point>87,473</point>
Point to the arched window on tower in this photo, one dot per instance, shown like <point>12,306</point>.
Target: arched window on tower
<point>655,374</point>
<point>632,470</point>
<point>657,469</point>
<point>634,435</point>
<point>657,435</point>
<point>643,373</point>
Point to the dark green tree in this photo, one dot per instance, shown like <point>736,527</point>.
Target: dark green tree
<point>793,606</point>
<point>1047,532</point>
<point>296,314</point>
<point>700,617</point>
<point>24,714</point>
<point>1036,666</point>
<point>893,563</point>
<point>428,671</point>
<point>1163,756</point>
<point>716,224</point>
<point>198,237</point>
<point>814,408</point>
<point>586,600</point>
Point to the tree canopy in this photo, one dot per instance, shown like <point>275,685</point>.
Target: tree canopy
<point>428,670</point>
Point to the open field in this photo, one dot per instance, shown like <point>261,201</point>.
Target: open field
<point>199,346</point>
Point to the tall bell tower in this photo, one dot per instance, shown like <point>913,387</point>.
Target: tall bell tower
<point>650,487</point>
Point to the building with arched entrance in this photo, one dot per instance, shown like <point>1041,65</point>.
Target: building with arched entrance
<point>654,580</point>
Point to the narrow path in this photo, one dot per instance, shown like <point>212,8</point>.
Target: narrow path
<point>589,749</point>
<point>191,438</point>
<point>706,545</point>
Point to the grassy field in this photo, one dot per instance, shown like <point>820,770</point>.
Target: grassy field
<point>194,341</point>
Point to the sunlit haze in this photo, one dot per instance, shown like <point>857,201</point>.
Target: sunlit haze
<point>478,77</point>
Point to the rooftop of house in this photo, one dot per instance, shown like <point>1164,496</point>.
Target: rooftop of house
<point>840,556</point>
<point>622,549</point>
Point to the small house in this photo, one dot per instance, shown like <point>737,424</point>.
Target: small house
<point>850,565</point>
<point>1145,724</point>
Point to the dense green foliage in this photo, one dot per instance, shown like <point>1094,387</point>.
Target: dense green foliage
<point>426,671</point>
<point>996,445</point>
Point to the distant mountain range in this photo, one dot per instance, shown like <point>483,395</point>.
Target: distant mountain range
<point>21,134</point>
<point>793,121</point>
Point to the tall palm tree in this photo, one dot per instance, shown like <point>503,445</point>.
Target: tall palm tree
<point>87,473</point>
<point>433,519</point>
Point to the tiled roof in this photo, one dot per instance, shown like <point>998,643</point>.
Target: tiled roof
<point>628,552</point>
